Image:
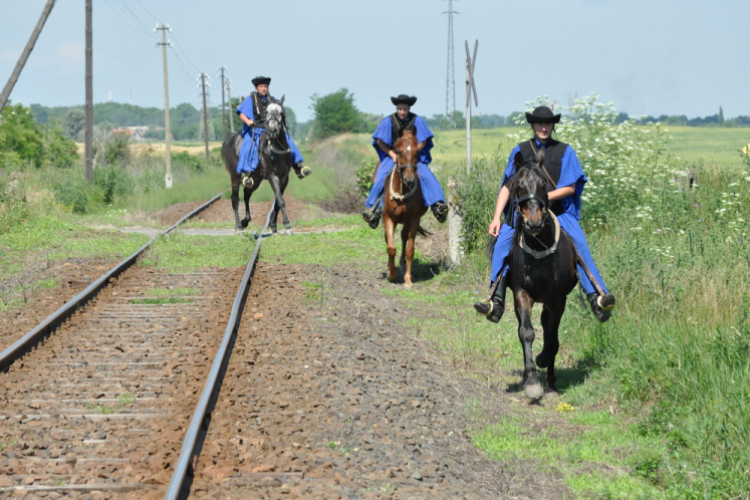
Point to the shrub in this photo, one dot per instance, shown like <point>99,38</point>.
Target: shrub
<point>364,174</point>
<point>74,192</point>
<point>113,181</point>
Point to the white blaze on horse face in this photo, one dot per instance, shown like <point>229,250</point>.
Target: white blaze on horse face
<point>408,148</point>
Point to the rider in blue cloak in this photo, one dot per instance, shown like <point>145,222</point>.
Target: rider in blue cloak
<point>384,138</point>
<point>562,166</point>
<point>252,113</point>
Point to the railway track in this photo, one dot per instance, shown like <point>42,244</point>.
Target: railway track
<point>110,405</point>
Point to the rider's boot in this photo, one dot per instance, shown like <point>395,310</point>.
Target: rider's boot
<point>247,181</point>
<point>494,307</point>
<point>440,211</point>
<point>601,305</point>
<point>372,217</point>
<point>301,170</point>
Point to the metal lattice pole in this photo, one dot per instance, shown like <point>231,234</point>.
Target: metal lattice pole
<point>450,78</point>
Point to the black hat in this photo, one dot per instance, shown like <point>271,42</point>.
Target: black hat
<point>542,114</point>
<point>404,99</point>
<point>261,80</point>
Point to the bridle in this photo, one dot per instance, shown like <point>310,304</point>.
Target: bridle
<point>538,254</point>
<point>400,168</point>
<point>274,138</point>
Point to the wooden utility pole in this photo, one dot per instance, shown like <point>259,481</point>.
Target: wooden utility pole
<point>88,135</point>
<point>470,62</point>
<point>167,129</point>
<point>205,110</point>
<point>231,111</point>
<point>223,106</point>
<point>25,54</point>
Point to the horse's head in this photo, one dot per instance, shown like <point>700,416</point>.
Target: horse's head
<point>530,193</point>
<point>275,118</point>
<point>406,149</point>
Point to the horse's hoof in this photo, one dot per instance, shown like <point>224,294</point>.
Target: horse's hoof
<point>288,231</point>
<point>245,223</point>
<point>238,230</point>
<point>533,389</point>
<point>407,285</point>
<point>541,360</point>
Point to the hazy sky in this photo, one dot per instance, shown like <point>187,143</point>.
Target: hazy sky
<point>648,56</point>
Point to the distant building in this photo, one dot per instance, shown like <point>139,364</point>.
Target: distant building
<point>135,133</point>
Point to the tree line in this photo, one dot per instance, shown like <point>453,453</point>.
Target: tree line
<point>333,114</point>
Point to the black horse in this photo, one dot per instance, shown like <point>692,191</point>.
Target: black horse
<point>275,163</point>
<point>542,269</point>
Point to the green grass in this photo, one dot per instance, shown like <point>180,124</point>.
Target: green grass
<point>575,446</point>
<point>183,253</point>
<point>50,239</point>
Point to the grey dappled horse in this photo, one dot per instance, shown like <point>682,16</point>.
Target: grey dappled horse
<point>275,161</point>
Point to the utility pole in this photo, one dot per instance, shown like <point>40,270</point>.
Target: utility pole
<point>25,54</point>
<point>231,111</point>
<point>205,110</point>
<point>450,78</point>
<point>88,135</point>
<point>167,129</point>
<point>470,62</point>
<point>223,106</point>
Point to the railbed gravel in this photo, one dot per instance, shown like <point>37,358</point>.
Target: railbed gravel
<point>327,396</point>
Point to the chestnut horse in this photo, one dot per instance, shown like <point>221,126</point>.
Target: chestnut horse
<point>403,204</point>
<point>275,161</point>
<point>542,269</point>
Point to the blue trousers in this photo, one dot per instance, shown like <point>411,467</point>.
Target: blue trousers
<point>573,228</point>
<point>249,158</point>
<point>432,192</point>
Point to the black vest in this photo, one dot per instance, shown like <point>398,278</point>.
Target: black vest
<point>553,153</point>
<point>397,128</point>
<point>259,108</point>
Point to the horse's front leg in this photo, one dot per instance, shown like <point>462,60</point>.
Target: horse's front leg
<point>551,316</point>
<point>280,205</point>
<point>408,237</point>
<point>531,385</point>
<point>390,243</point>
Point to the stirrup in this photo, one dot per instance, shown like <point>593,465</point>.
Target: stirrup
<point>247,181</point>
<point>372,218</point>
<point>492,311</point>
<point>303,171</point>
<point>440,211</point>
<point>606,302</point>
<point>602,305</point>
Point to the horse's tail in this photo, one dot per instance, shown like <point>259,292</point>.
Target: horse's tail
<point>423,232</point>
<point>230,152</point>
<point>489,249</point>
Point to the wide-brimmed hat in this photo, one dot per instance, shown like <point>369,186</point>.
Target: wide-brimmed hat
<point>542,114</point>
<point>261,80</point>
<point>404,99</point>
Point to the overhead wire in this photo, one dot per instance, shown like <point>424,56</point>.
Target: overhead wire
<point>141,31</point>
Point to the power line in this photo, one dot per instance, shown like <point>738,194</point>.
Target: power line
<point>143,32</point>
<point>184,52</point>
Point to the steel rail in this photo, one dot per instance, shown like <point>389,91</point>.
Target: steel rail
<point>46,327</point>
<point>202,416</point>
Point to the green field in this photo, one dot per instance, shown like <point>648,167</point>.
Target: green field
<point>653,404</point>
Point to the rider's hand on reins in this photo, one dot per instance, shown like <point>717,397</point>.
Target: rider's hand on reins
<point>393,156</point>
